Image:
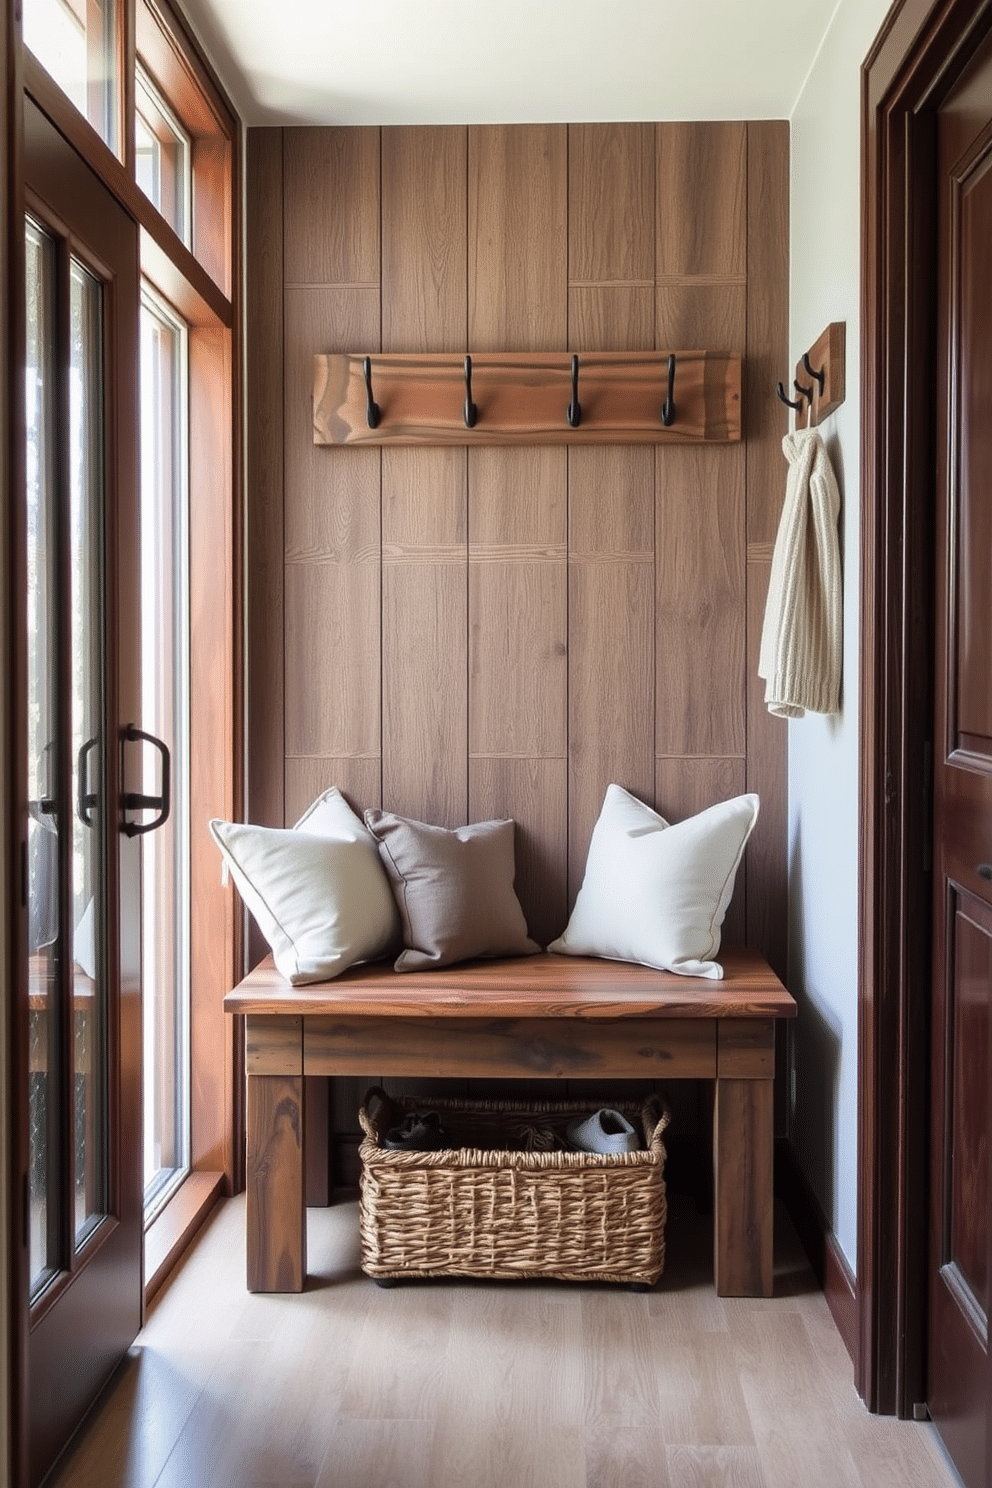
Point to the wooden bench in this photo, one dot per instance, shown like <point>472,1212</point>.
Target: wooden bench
<point>539,1016</point>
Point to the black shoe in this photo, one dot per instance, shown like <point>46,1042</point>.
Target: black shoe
<point>421,1131</point>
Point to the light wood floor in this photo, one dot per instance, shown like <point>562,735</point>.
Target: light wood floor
<point>478,1385</point>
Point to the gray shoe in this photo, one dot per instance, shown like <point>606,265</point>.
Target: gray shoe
<point>605,1132</point>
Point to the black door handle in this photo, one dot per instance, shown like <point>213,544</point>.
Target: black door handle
<point>135,801</point>
<point>85,800</point>
<point>984,870</point>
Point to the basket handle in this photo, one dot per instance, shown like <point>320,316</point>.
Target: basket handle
<point>375,1094</point>
<point>657,1117</point>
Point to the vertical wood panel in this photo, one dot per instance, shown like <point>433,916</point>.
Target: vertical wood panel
<point>534,793</point>
<point>332,543</point>
<point>424,269</point>
<point>425,635</point>
<point>764,426</point>
<point>611,170</point>
<point>331,206</point>
<point>704,314</point>
<point>701,601</point>
<point>517,237</point>
<point>307,776</point>
<point>701,199</point>
<point>327,489</point>
<point>332,658</point>
<point>612,317</point>
<point>264,517</point>
<point>610,635</point>
<point>517,602</point>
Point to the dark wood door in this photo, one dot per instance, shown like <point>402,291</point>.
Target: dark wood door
<point>959,1395</point>
<point>80,963</point>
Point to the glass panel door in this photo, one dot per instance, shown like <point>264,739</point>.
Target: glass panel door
<point>42,828</point>
<point>82,967</point>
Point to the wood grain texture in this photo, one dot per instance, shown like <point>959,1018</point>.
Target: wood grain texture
<point>701,199</point>
<point>517,237</point>
<point>700,615</point>
<point>524,397</point>
<point>509,1386</point>
<point>765,418</point>
<point>332,659</point>
<point>710,313</point>
<point>331,502</point>
<point>265,471</point>
<point>614,317</point>
<point>742,1200</point>
<point>520,987</point>
<point>274,1045</point>
<point>528,1048</point>
<point>534,794</point>
<point>424,207</point>
<point>276,1235</point>
<point>358,778</point>
<point>611,169</point>
<point>518,621</point>
<point>745,1048</point>
<point>425,635</point>
<point>611,636</point>
<point>331,205</point>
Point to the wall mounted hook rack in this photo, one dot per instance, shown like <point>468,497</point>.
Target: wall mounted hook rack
<point>819,378</point>
<point>527,398</point>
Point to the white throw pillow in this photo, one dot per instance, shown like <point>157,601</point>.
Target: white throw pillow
<point>318,891</point>
<point>656,893</point>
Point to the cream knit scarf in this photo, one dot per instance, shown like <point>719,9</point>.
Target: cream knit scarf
<point>800,655</point>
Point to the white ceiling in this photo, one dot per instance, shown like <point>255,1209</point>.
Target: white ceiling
<point>496,61</point>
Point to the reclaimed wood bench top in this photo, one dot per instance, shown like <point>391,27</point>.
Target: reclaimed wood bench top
<point>542,986</point>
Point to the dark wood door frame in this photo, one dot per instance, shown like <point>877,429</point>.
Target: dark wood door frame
<point>919,53</point>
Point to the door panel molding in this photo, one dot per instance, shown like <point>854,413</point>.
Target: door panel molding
<point>919,53</point>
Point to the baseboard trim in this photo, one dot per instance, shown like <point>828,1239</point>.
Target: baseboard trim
<point>830,1266</point>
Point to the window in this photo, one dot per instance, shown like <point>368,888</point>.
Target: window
<point>165,892</point>
<point>76,42</point>
<point>162,157</point>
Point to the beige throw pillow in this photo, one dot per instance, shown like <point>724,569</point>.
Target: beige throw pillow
<point>453,889</point>
<point>656,893</point>
<point>318,892</point>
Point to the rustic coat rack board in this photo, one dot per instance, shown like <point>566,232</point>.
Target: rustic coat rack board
<point>527,398</point>
<point>820,377</point>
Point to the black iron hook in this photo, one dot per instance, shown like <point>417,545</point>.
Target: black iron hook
<point>804,392</point>
<point>788,401</point>
<point>372,407</point>
<point>668,407</point>
<point>471,412</point>
<point>574,410</point>
<point>820,376</point>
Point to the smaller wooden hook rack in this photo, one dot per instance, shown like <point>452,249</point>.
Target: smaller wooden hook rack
<point>527,398</point>
<point>819,382</point>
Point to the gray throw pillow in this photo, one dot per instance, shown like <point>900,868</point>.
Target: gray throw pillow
<point>453,889</point>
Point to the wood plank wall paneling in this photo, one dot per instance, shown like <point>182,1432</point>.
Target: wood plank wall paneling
<point>766,421</point>
<point>265,506</point>
<point>501,632</point>
<point>517,226</point>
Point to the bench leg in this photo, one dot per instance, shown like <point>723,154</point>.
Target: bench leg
<point>276,1197</point>
<point>743,1151</point>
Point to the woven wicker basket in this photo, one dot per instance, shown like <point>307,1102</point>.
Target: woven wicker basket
<point>488,1206</point>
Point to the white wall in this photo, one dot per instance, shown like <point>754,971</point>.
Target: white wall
<point>823,752</point>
